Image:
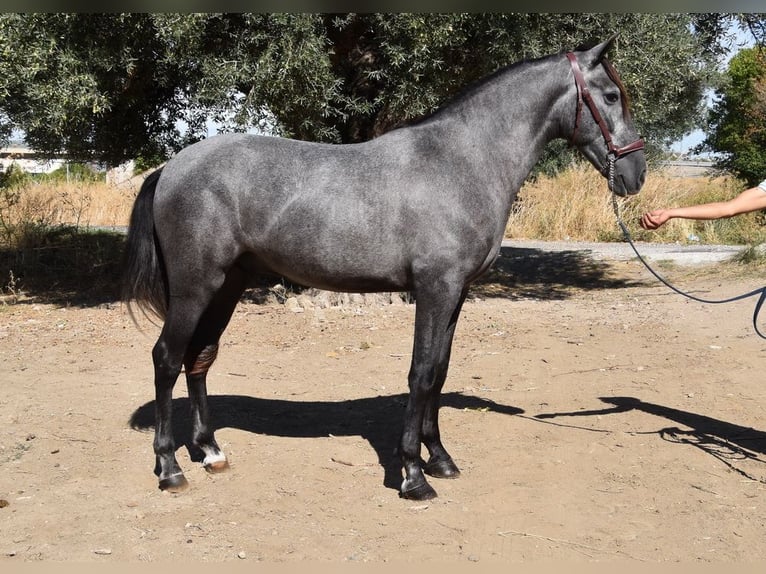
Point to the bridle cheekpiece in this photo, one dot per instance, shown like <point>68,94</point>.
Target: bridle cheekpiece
<point>583,95</point>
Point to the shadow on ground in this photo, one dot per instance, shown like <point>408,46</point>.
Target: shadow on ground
<point>730,443</point>
<point>376,419</point>
<point>527,273</point>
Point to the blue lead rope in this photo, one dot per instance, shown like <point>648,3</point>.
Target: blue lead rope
<point>761,291</point>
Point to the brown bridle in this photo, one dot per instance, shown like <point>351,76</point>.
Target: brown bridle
<point>584,94</point>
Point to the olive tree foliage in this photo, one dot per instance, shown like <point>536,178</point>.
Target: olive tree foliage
<point>96,86</point>
<point>113,87</point>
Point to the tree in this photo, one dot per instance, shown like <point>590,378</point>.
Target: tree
<point>116,86</point>
<point>737,119</point>
<point>97,86</point>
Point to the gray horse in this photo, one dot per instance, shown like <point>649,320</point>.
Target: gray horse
<point>421,208</point>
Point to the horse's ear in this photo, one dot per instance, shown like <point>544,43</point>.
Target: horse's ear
<point>594,56</point>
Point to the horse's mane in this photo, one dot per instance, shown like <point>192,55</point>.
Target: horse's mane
<point>472,87</point>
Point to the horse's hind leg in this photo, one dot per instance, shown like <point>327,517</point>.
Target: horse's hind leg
<point>168,353</point>
<point>200,356</point>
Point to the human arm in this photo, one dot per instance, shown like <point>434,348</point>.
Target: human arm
<point>749,200</point>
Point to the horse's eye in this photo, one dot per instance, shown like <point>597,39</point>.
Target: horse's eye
<point>611,98</point>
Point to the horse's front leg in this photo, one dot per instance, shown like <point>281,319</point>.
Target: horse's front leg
<point>440,463</point>
<point>436,312</point>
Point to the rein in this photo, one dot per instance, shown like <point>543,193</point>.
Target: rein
<point>761,291</point>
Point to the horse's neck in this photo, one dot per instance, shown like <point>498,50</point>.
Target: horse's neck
<point>516,113</point>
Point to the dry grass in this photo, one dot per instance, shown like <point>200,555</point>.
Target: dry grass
<point>49,241</point>
<point>577,206</point>
<point>80,204</point>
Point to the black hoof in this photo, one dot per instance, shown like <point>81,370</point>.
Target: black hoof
<point>443,468</point>
<point>421,492</point>
<point>176,483</point>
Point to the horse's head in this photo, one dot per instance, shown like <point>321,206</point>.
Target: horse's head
<point>602,126</point>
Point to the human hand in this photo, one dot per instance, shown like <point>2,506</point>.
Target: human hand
<point>654,219</point>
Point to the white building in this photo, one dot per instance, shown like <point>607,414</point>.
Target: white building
<point>28,160</point>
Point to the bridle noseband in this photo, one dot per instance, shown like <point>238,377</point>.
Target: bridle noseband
<point>583,94</point>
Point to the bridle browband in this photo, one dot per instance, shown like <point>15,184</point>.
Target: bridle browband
<point>583,94</point>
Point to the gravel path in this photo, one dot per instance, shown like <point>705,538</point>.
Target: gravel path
<point>677,253</point>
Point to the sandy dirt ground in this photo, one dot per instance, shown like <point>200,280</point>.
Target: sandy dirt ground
<point>595,415</point>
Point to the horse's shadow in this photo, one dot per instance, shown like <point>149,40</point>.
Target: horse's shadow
<point>376,419</point>
<point>723,440</point>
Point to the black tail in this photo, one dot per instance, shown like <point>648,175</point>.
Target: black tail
<point>144,280</point>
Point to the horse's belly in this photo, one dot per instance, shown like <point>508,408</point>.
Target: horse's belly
<point>337,275</point>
